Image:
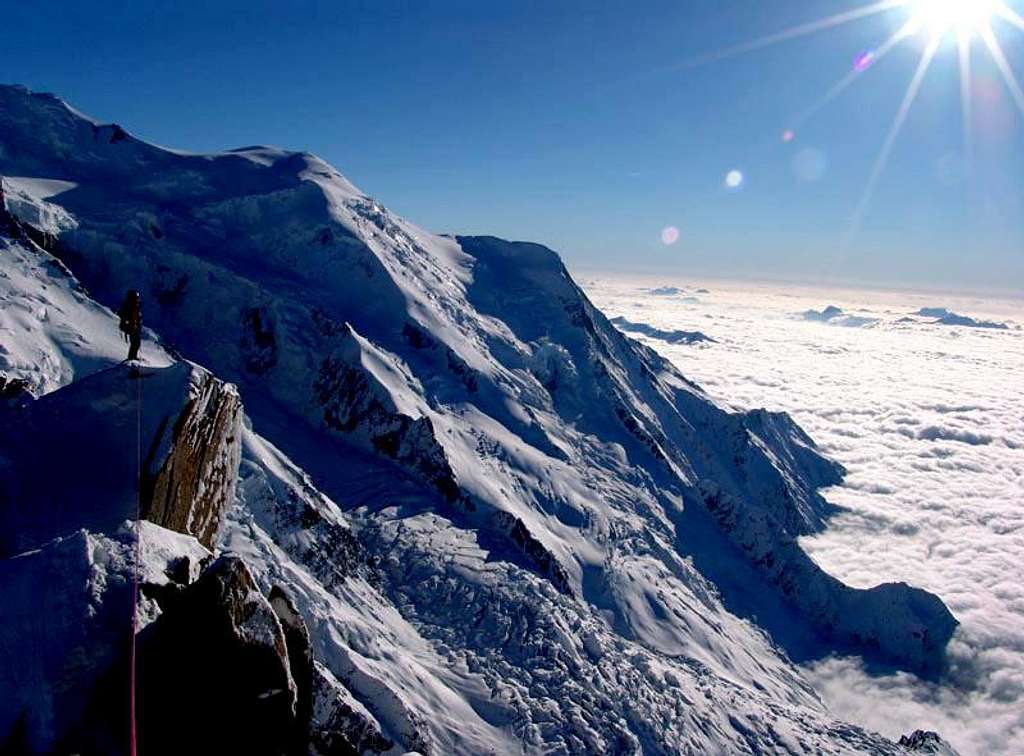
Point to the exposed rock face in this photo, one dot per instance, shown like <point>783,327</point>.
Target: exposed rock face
<point>304,523</point>
<point>358,390</point>
<point>73,455</point>
<point>341,726</point>
<point>926,742</point>
<point>300,663</point>
<point>12,388</point>
<point>258,343</point>
<point>213,674</point>
<point>519,536</point>
<point>196,481</point>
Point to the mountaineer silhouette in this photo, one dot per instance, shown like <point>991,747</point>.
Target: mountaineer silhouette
<point>131,322</point>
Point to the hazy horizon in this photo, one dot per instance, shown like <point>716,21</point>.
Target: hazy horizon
<point>670,276</point>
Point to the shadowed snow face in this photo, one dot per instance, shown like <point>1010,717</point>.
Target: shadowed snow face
<point>928,418</point>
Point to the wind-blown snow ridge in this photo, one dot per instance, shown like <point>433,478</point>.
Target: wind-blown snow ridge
<point>494,512</point>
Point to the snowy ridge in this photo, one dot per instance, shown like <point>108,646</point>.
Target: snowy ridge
<point>502,521</point>
<point>189,455</point>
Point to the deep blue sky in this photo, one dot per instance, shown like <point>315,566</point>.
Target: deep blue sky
<point>576,124</point>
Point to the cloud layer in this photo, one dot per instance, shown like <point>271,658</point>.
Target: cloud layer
<point>929,421</point>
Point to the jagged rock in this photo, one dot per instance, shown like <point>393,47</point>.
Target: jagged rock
<point>520,537</point>
<point>926,742</point>
<point>196,480</point>
<point>213,675</point>
<point>12,388</point>
<point>303,522</point>
<point>341,725</point>
<point>300,663</point>
<point>259,345</point>
<point>360,401</point>
<point>218,658</point>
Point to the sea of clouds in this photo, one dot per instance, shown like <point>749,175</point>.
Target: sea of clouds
<point>928,419</point>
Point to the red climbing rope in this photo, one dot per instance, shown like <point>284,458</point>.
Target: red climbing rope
<point>137,558</point>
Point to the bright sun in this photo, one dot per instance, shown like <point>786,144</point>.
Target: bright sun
<point>976,26</point>
<point>966,18</point>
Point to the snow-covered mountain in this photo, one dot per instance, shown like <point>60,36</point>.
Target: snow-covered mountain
<point>469,515</point>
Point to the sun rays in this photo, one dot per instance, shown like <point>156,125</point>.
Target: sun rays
<point>890,139</point>
<point>970,21</point>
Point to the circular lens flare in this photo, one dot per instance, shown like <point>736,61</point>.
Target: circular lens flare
<point>669,235</point>
<point>734,179</point>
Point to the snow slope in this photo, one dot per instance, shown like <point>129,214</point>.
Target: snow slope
<point>51,330</point>
<point>506,525</point>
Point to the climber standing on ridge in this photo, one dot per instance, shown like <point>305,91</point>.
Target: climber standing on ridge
<point>131,322</point>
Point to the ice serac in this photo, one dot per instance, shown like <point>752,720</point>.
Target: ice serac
<point>505,526</point>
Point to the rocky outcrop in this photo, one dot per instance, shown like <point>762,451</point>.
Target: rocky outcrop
<point>259,342</point>
<point>214,674</point>
<point>360,402</point>
<point>65,627</point>
<point>161,441</point>
<point>196,482</point>
<point>342,726</point>
<point>12,388</point>
<point>301,520</point>
<point>300,663</point>
<point>218,658</point>
<point>521,539</point>
<point>926,742</point>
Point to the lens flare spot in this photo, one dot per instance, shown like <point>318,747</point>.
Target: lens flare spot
<point>864,61</point>
<point>788,136</point>
<point>734,179</point>
<point>669,235</point>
